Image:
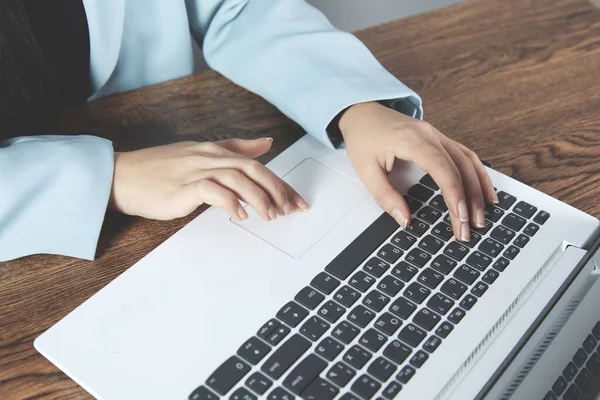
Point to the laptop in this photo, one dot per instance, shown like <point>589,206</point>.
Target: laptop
<point>340,302</point>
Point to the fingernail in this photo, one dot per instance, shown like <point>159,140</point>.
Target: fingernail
<point>287,209</point>
<point>494,196</point>
<point>480,218</point>
<point>242,213</point>
<point>300,202</point>
<point>463,211</point>
<point>270,139</point>
<point>400,219</point>
<point>272,213</point>
<point>465,233</point>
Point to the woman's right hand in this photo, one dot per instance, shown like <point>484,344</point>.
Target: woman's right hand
<point>171,181</point>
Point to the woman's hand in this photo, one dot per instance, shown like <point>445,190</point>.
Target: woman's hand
<point>376,135</point>
<point>171,181</point>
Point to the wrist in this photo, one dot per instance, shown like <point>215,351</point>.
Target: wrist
<point>354,114</point>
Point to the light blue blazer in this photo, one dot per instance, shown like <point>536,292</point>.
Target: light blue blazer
<point>54,190</point>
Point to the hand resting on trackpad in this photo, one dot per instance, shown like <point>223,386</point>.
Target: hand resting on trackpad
<point>331,197</point>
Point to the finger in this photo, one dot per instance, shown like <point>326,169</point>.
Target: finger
<point>487,187</point>
<point>470,183</point>
<point>247,148</point>
<point>246,190</point>
<point>214,194</point>
<point>377,182</point>
<point>438,163</point>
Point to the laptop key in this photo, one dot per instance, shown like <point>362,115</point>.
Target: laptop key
<point>444,264</point>
<point>361,281</point>
<point>267,328</point>
<point>513,221</point>
<point>309,298</point>
<point>402,308</point>
<point>492,213</point>
<point>405,374</point>
<point>259,383</point>
<point>505,200</point>
<point>559,386</point>
<point>347,296</point>
<point>397,351</point>
<point>430,278</point>
<point>325,282</point>
<point>372,340</point>
<point>242,394</point>
<point>340,374</point>
<point>292,314</point>
<point>278,335</point>
<point>440,303</point>
<point>491,247</point>
<point>404,240</point>
<point>202,393</point>
<point>432,343</point>
<point>475,238</point>
<point>443,231</point>
<point>331,311</point>
<point>280,394</point>
<point>417,227</point>
<point>227,375</point>
<point>304,373</point>
<point>381,369</point>
<point>391,390</point>
<point>365,387</point>
<point>521,240</point>
<point>570,371</point>
<point>361,316</point>
<point>511,252</point>
<point>426,319</point>
<point>349,396</point>
<point>420,192</point>
<point>485,229</point>
<point>417,257</point>
<point>531,229</point>
<point>502,234</point>
<point>593,365</point>
<point>357,357</point>
<point>573,394</point>
<point>419,359</point>
<point>376,300</point>
<point>444,329</point>
<point>524,209</point>
<point>413,204</point>
<point>589,344</point>
<point>501,264</point>
<point>431,244</point>
<point>550,396</point>
<point>453,288</point>
<point>389,253</point>
<point>456,250</point>
<point>390,285</point>
<point>412,335</point>
<point>479,289</point>
<point>584,381</point>
<point>596,330</point>
<point>388,323</point>
<point>438,203</point>
<point>479,260</point>
<point>320,389</point>
<point>285,356</point>
<point>329,348</point>
<point>541,217</point>
<point>466,274</point>
<point>428,181</point>
<point>366,243</point>
<point>429,214</point>
<point>345,332</point>
<point>580,357</point>
<point>416,292</point>
<point>376,267</point>
<point>404,271</point>
<point>456,315</point>
<point>314,328</point>
<point>253,350</point>
<point>468,302</point>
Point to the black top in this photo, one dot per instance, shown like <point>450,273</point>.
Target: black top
<point>61,31</point>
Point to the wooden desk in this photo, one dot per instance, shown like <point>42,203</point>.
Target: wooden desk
<point>518,81</point>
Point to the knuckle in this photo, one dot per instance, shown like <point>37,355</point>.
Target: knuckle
<point>280,191</point>
<point>254,166</point>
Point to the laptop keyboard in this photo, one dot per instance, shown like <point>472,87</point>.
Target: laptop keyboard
<point>386,302</point>
<point>580,379</point>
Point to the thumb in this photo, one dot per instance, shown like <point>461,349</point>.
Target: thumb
<point>376,180</point>
<point>247,148</point>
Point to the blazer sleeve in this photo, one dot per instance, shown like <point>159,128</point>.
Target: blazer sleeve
<point>289,53</point>
<point>54,192</point>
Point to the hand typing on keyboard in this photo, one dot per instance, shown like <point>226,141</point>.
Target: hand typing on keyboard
<point>376,135</point>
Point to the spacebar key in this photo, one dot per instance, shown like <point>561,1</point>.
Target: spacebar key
<point>304,373</point>
<point>361,247</point>
<point>285,356</point>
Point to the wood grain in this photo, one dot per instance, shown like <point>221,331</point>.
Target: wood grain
<point>518,81</point>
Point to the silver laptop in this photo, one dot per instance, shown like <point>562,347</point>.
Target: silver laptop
<point>341,303</point>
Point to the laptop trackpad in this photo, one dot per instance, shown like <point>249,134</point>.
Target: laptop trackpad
<point>330,195</point>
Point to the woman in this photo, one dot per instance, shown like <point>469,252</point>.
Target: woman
<point>54,190</point>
